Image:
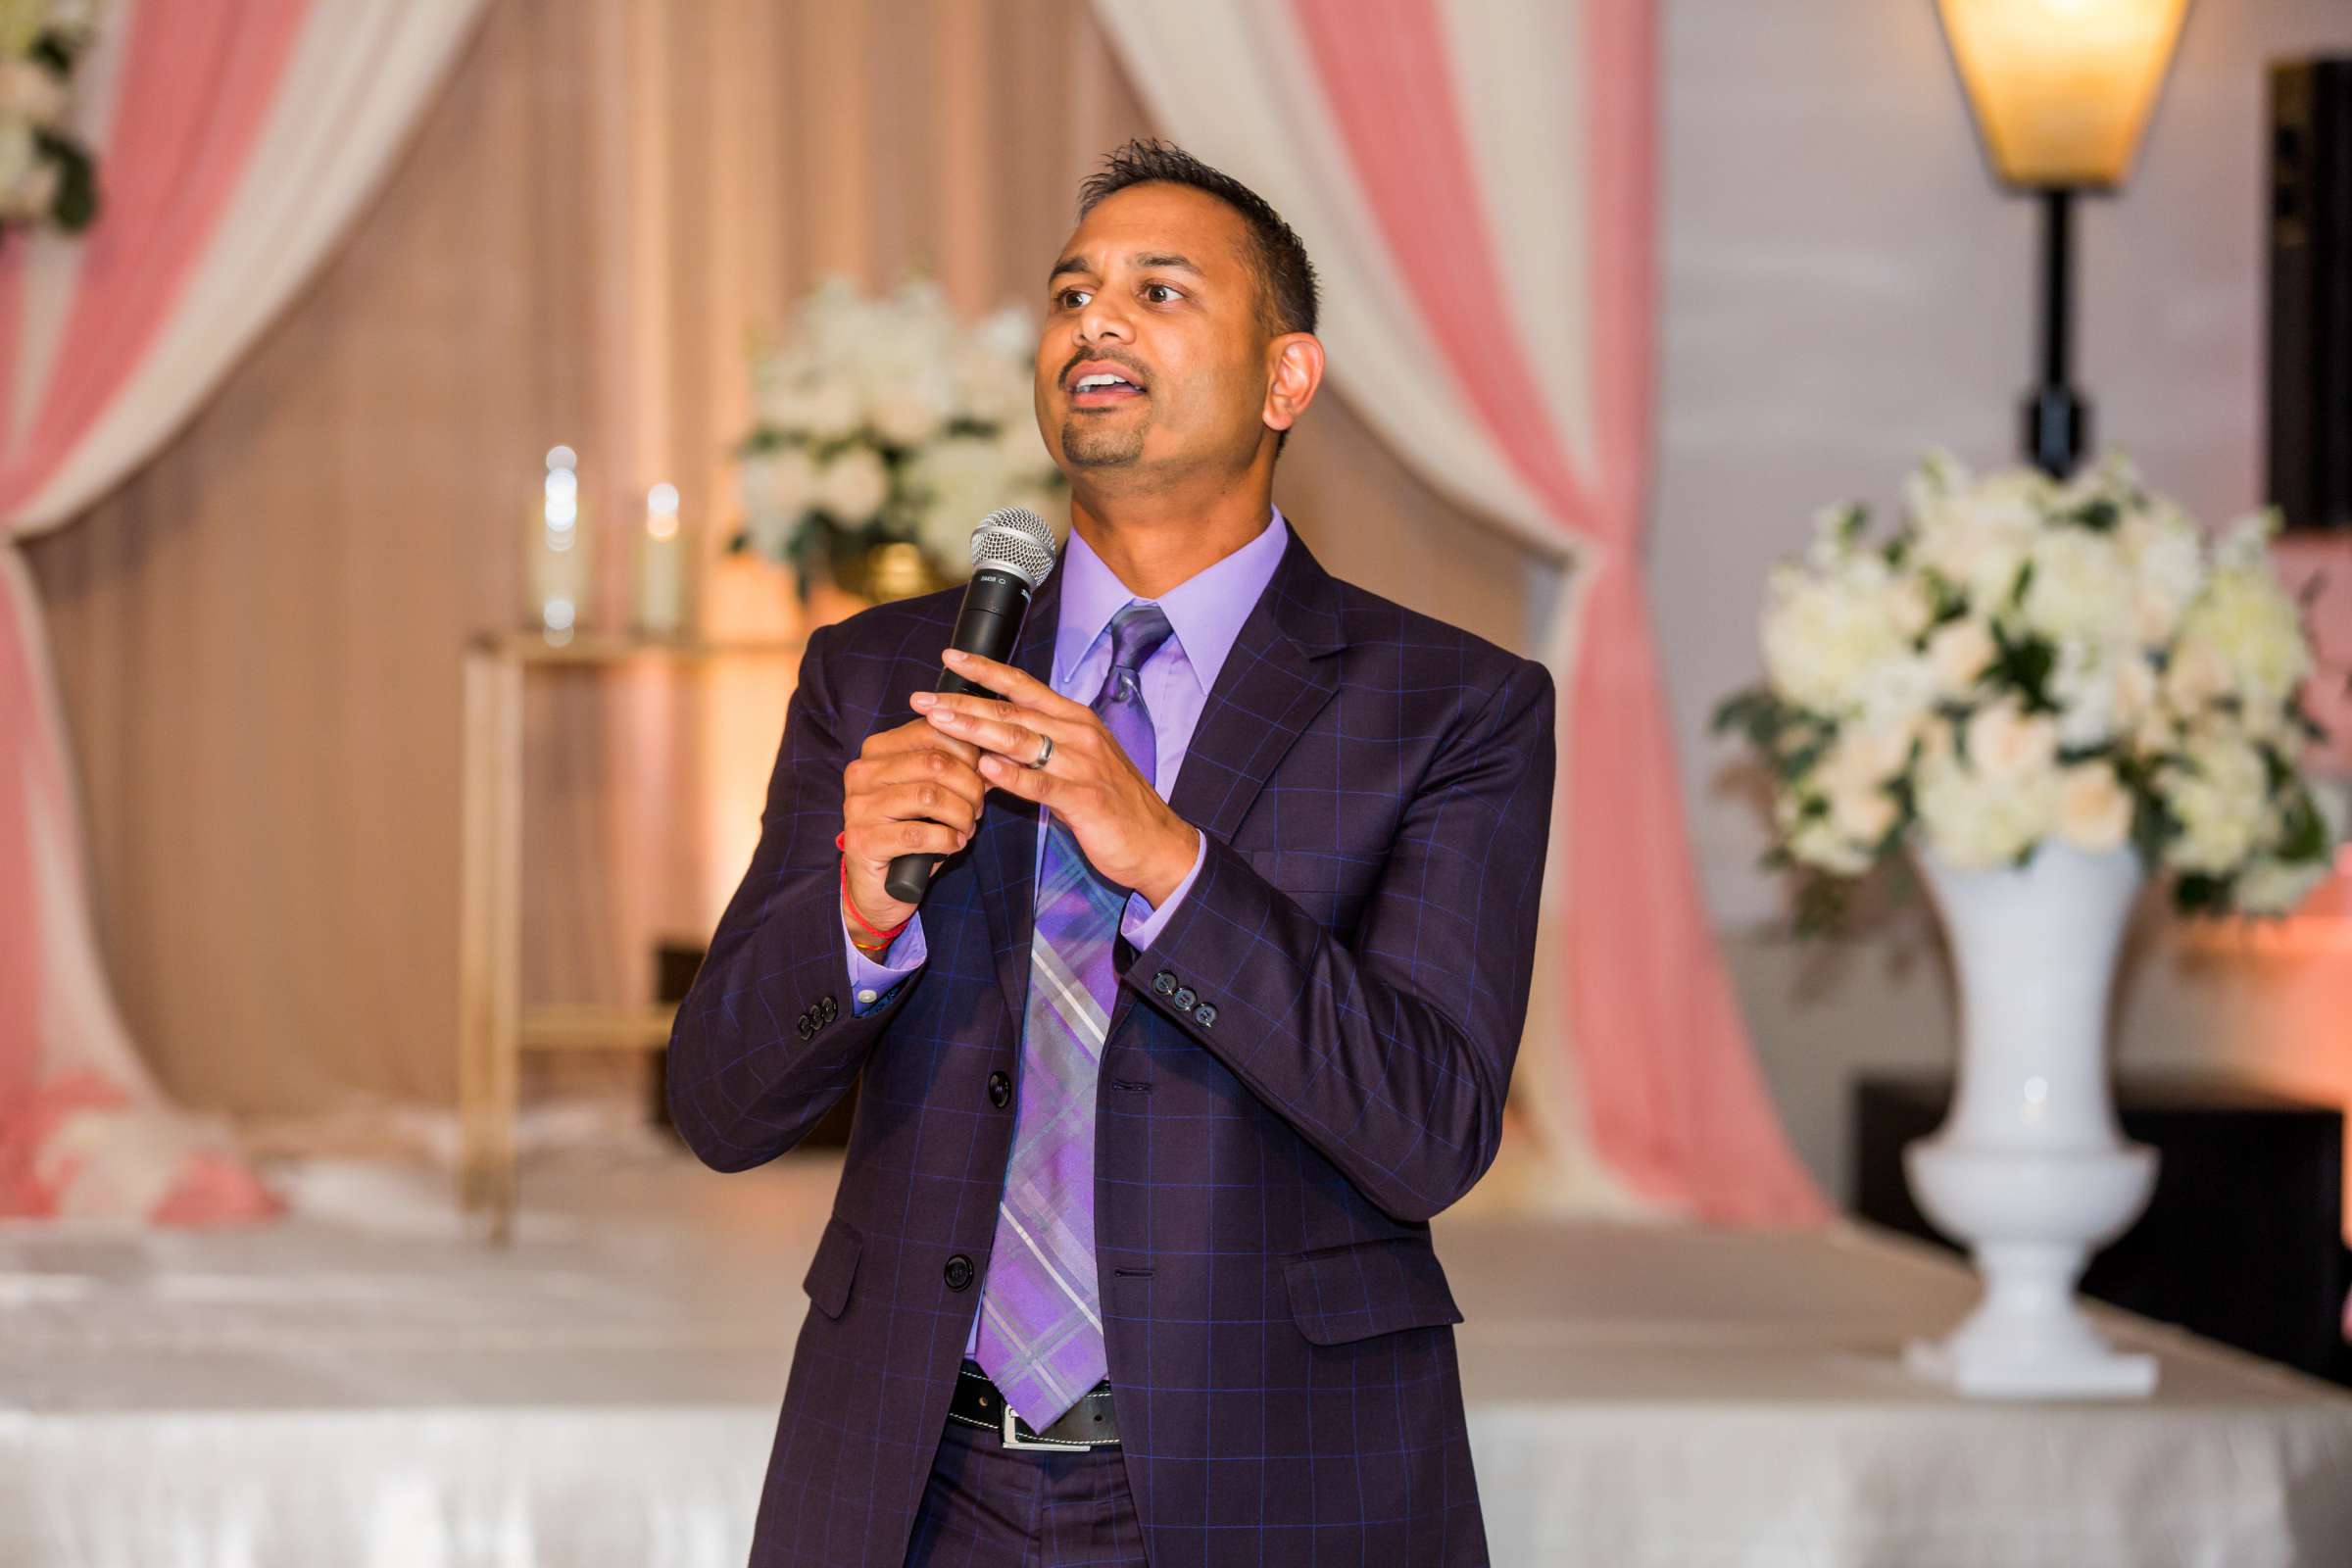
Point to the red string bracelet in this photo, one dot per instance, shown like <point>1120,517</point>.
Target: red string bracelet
<point>882,937</point>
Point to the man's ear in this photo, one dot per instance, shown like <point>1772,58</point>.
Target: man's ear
<point>1294,366</point>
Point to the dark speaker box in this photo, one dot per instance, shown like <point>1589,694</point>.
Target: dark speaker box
<point>2310,362</point>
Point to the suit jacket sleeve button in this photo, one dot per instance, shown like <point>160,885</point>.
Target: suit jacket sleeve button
<point>1204,1015</point>
<point>1185,998</point>
<point>826,1010</point>
<point>1164,982</point>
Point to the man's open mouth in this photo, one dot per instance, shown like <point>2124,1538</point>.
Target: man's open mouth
<point>1102,389</point>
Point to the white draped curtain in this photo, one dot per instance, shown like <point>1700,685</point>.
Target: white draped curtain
<point>236,141</point>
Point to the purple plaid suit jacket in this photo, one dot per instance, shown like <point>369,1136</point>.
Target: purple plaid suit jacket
<point>1306,1065</point>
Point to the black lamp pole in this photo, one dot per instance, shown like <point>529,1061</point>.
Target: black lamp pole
<point>2057,423</point>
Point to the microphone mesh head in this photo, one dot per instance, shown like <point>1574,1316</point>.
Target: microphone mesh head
<point>1017,540</point>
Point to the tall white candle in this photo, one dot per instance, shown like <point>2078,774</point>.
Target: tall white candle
<point>661,565</point>
<point>559,549</point>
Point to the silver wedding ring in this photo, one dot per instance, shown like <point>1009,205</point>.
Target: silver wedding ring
<point>1046,756</point>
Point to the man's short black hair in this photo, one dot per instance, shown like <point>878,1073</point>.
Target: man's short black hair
<point>1287,294</point>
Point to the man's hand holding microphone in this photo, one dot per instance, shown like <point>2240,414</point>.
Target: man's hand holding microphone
<point>911,789</point>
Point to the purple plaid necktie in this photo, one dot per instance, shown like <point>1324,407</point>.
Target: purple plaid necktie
<point>1041,1316</point>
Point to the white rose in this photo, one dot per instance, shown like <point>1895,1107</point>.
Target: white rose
<point>1863,815</point>
<point>1975,822</point>
<point>853,487</point>
<point>1823,634</point>
<point>904,418</point>
<point>1960,650</point>
<point>2080,589</point>
<point>2275,887</point>
<point>1894,692</point>
<point>1910,606</point>
<point>1867,757</point>
<point>957,481</point>
<point>1855,778</point>
<point>2166,557</point>
<point>775,488</point>
<point>2222,798</point>
<point>993,388</point>
<point>29,90</point>
<point>2007,744</point>
<point>17,153</point>
<point>831,409</point>
<point>2095,810</point>
<point>2135,689</point>
<point>2084,684</point>
<point>2246,625</point>
<point>1815,839</point>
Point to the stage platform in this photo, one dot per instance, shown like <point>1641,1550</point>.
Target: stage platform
<point>365,1386</point>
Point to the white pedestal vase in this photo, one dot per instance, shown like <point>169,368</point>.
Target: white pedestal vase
<point>2029,1168</point>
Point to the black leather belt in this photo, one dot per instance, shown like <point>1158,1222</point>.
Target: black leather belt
<point>1091,1423</point>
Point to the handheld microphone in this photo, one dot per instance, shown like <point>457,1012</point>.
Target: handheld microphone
<point>1012,553</point>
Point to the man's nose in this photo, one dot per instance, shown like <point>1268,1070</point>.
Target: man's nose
<point>1101,318</point>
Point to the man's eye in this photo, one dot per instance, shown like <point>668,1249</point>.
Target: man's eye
<point>1064,298</point>
<point>1163,289</point>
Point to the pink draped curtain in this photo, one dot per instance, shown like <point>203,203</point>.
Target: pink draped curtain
<point>1676,1105</point>
<point>196,80</point>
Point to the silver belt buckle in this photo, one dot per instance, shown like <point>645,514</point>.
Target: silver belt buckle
<point>1004,1421</point>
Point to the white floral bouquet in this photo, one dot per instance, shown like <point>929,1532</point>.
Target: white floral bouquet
<point>886,420</point>
<point>46,175</point>
<point>2028,658</point>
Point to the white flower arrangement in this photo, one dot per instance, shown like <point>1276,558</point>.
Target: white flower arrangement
<point>46,175</point>
<point>2030,658</point>
<point>883,420</point>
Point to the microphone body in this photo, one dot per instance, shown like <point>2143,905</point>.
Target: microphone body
<point>989,624</point>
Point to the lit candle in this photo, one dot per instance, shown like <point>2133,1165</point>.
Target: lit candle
<point>559,556</point>
<point>661,565</point>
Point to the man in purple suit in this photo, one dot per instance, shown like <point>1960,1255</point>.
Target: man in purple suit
<point>1210,1005</point>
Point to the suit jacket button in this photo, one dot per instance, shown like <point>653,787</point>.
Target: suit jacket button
<point>1164,982</point>
<point>999,1089</point>
<point>1185,998</point>
<point>959,1272</point>
<point>826,1011</point>
<point>1204,1015</point>
<point>807,1026</point>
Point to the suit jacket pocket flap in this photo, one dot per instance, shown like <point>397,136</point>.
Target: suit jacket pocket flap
<point>831,1270</point>
<point>1376,1287</point>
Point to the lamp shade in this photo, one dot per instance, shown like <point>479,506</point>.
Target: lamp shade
<point>2062,88</point>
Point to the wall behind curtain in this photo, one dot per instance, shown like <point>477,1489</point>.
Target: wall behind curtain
<point>257,635</point>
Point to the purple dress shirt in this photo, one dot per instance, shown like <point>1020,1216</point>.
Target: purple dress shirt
<point>1205,613</point>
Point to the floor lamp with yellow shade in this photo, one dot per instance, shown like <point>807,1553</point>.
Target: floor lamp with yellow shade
<point>2062,91</point>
